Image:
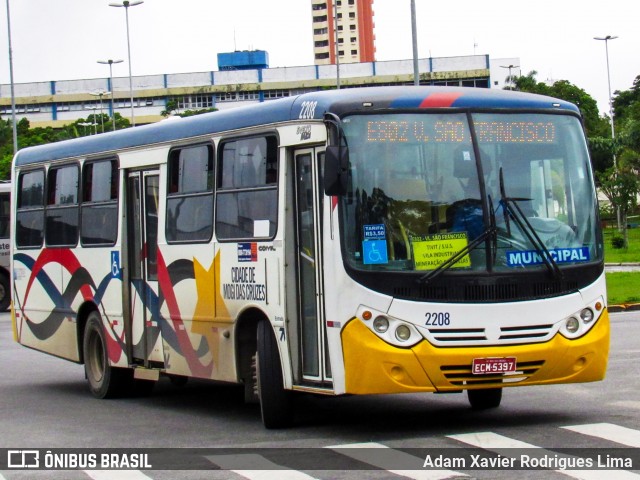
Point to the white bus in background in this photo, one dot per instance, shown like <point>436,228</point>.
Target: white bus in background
<point>5,254</point>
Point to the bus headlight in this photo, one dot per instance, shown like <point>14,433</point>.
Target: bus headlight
<point>381,324</point>
<point>576,325</point>
<point>586,315</point>
<point>403,333</point>
<point>572,325</point>
<point>399,333</point>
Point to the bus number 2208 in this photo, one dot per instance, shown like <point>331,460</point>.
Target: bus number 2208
<point>437,319</point>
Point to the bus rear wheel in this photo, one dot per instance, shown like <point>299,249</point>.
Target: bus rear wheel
<point>275,402</point>
<point>104,380</point>
<point>485,398</point>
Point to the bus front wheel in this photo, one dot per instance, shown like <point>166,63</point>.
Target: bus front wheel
<point>104,380</point>
<point>485,398</point>
<point>275,401</point>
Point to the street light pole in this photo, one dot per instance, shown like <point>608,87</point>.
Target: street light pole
<point>510,66</point>
<point>613,130</point>
<point>13,96</point>
<point>126,4</point>
<point>414,38</point>
<point>113,112</point>
<point>606,49</point>
<point>85,125</point>
<point>100,94</point>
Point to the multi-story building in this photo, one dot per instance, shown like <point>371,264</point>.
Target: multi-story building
<point>58,102</point>
<point>347,22</point>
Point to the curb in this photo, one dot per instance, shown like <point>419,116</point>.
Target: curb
<point>625,307</point>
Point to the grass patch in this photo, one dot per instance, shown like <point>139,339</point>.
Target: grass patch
<point>621,255</point>
<point>623,287</point>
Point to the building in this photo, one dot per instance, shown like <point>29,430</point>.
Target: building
<point>56,103</point>
<point>350,23</point>
<point>243,60</point>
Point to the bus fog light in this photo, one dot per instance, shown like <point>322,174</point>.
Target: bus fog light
<point>403,333</point>
<point>572,325</point>
<point>381,324</point>
<point>586,315</point>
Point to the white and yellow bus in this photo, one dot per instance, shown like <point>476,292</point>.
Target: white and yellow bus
<point>359,241</point>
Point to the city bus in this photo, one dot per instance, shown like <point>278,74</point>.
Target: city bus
<point>5,255</point>
<point>360,241</point>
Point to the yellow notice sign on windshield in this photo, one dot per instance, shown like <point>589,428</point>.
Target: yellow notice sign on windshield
<point>430,251</point>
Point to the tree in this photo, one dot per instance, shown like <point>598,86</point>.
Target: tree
<point>626,106</point>
<point>597,128</point>
<point>621,186</point>
<point>174,108</point>
<point>171,106</point>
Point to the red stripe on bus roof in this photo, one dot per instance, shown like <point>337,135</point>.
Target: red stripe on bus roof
<point>444,99</point>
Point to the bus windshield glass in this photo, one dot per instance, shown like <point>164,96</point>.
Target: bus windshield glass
<point>506,191</point>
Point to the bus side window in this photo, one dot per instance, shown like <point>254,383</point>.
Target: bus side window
<point>247,194</point>
<point>99,209</point>
<point>190,194</point>
<point>5,209</point>
<point>30,214</point>
<point>61,228</point>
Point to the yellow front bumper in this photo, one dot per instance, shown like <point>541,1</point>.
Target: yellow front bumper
<point>373,366</point>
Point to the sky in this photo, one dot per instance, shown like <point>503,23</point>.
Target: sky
<point>63,39</point>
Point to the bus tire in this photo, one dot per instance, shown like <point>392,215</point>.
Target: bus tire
<point>104,380</point>
<point>485,398</point>
<point>275,402</point>
<point>5,292</point>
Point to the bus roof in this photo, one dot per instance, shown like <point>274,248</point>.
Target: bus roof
<point>292,108</point>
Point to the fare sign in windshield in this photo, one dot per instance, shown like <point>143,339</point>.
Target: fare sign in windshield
<point>430,251</point>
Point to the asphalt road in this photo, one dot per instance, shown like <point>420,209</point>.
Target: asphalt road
<point>45,404</point>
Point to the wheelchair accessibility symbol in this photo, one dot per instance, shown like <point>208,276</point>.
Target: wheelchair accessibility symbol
<point>374,252</point>
<point>115,264</point>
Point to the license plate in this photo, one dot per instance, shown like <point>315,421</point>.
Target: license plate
<point>491,366</point>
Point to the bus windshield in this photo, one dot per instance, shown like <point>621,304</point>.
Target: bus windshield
<point>506,191</point>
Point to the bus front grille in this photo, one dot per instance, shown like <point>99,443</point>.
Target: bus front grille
<point>485,336</point>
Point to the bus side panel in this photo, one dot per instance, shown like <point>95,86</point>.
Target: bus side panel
<point>99,281</point>
<point>51,286</point>
<point>44,320</point>
<point>193,340</point>
<point>250,277</point>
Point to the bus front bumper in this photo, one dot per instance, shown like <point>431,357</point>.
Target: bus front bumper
<point>373,366</point>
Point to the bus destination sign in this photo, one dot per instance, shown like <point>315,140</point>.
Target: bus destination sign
<point>453,131</point>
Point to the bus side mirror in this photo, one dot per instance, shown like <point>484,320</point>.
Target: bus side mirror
<point>336,170</point>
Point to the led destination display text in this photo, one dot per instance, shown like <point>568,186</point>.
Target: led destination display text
<point>425,131</point>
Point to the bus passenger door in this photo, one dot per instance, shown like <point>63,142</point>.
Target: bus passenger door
<point>142,282</point>
<point>310,305</point>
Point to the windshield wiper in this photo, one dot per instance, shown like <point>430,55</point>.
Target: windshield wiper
<point>491,232</point>
<point>494,233</point>
<point>512,209</point>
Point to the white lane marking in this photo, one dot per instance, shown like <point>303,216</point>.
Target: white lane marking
<point>609,431</point>
<point>388,456</point>
<point>494,441</point>
<point>256,467</point>
<point>116,475</point>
